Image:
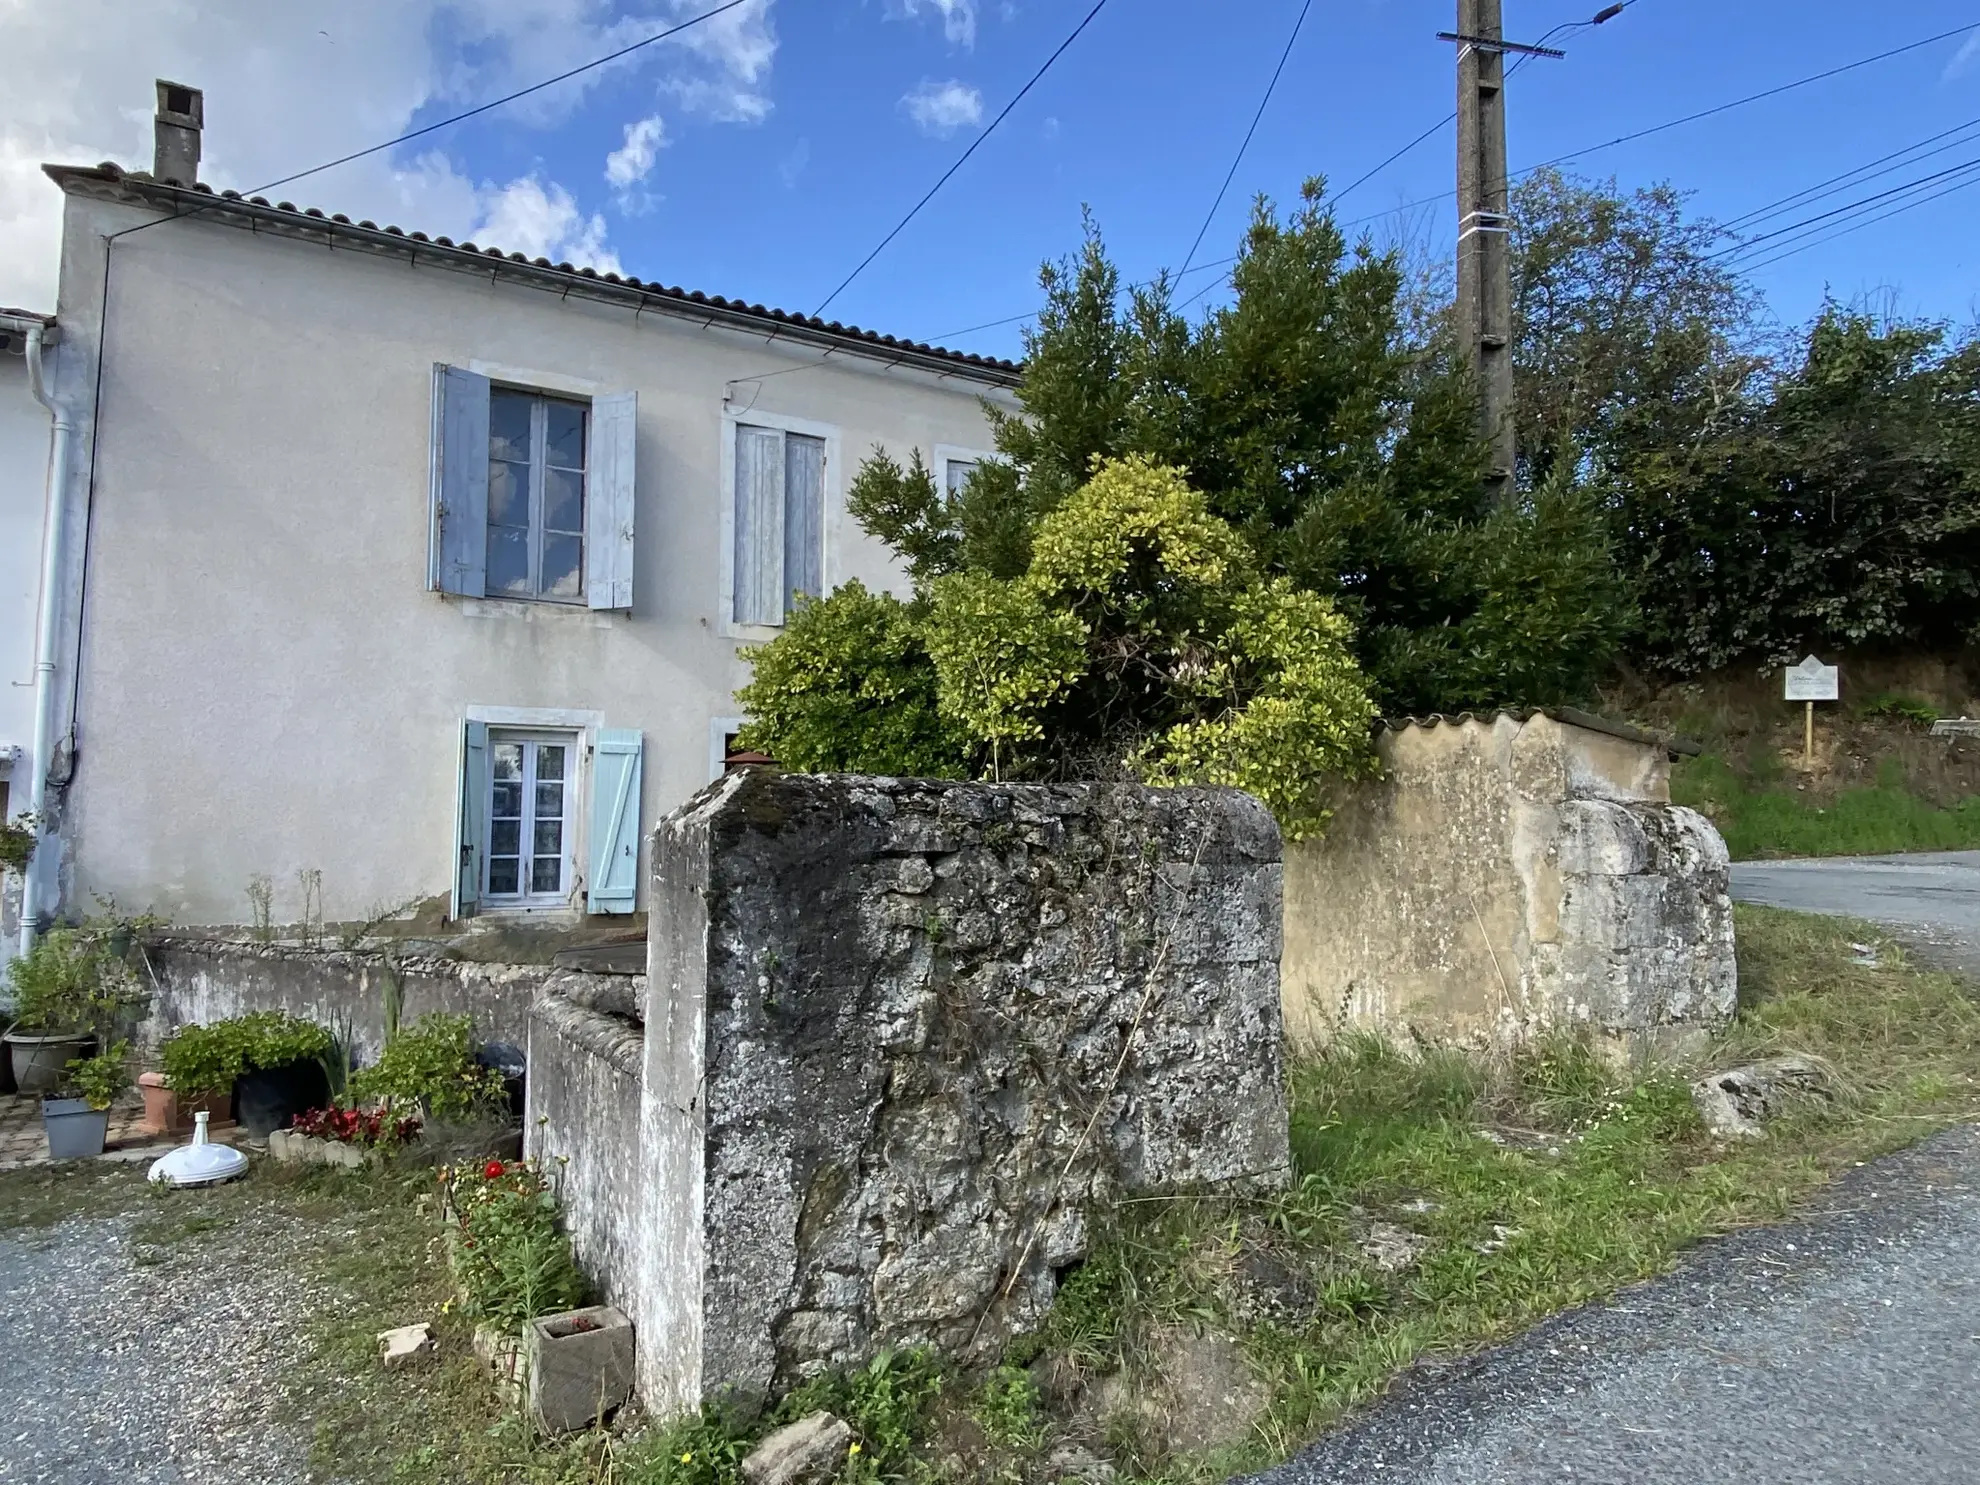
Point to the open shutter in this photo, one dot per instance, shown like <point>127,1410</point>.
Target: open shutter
<point>470,817</point>
<point>608,518</point>
<point>759,554</point>
<point>614,878</point>
<point>460,482</point>
<point>804,518</point>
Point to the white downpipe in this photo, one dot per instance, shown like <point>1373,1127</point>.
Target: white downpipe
<point>47,634</point>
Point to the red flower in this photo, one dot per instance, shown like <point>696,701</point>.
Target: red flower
<point>493,1169</point>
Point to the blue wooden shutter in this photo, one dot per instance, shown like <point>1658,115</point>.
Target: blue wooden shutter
<point>460,482</point>
<point>759,514</point>
<point>804,518</point>
<point>470,819</point>
<point>608,517</point>
<point>614,879</point>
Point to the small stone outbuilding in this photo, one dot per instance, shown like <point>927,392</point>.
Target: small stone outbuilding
<point>1509,874</point>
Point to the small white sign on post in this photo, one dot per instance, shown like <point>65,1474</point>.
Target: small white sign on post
<point>1813,681</point>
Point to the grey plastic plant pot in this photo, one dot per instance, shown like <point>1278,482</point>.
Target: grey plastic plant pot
<point>75,1130</point>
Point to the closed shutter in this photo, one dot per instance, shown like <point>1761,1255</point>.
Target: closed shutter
<point>470,817</point>
<point>615,767</point>
<point>759,521</point>
<point>608,520</point>
<point>459,503</point>
<point>804,519</point>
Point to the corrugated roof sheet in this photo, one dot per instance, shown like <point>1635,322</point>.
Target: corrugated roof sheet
<point>1571,716</point>
<point>314,220</point>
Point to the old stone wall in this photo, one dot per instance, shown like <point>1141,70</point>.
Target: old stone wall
<point>902,1034</point>
<point>1509,874</point>
<point>582,1123</point>
<point>203,980</point>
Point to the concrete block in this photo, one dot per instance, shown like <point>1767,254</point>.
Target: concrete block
<point>802,1453</point>
<point>501,1354</point>
<point>580,1367</point>
<point>405,1345</point>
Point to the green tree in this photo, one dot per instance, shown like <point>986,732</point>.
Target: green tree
<point>1840,507</point>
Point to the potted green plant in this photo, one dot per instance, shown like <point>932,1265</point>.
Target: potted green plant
<point>67,991</point>
<point>270,1063</point>
<point>76,1118</point>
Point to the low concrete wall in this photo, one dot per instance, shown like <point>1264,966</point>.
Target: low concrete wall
<point>582,1123</point>
<point>902,1034</point>
<point>196,981</point>
<point>1509,874</point>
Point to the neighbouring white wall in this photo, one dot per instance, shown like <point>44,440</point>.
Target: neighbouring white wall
<point>268,685</point>
<point>24,435</point>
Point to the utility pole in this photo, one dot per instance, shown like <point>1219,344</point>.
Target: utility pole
<point>1484,266</point>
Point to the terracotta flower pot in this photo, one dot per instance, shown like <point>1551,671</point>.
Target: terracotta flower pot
<point>165,1114</point>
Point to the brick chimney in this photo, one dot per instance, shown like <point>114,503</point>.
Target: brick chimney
<point>181,115</point>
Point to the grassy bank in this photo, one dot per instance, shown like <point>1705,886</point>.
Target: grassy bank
<point>1440,1202</point>
<point>1766,816</point>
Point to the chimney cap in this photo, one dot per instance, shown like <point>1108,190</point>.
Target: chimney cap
<point>180,104</point>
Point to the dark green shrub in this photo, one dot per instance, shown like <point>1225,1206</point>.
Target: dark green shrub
<point>204,1061</point>
<point>432,1063</point>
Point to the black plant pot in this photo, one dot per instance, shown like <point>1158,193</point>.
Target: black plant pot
<point>269,1098</point>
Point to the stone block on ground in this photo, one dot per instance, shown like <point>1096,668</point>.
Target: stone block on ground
<point>807,1452</point>
<point>502,1356</point>
<point>1736,1103</point>
<point>291,1148</point>
<point>405,1345</point>
<point>580,1367</point>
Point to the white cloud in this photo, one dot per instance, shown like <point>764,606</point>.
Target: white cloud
<point>288,86</point>
<point>944,107</point>
<point>1962,59</point>
<point>958,17</point>
<point>633,161</point>
<point>540,221</point>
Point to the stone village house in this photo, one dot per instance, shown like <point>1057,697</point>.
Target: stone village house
<point>413,563</point>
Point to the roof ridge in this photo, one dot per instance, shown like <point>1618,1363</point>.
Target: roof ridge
<point>990,368</point>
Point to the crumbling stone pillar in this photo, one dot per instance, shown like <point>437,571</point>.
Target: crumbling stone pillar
<point>902,1034</point>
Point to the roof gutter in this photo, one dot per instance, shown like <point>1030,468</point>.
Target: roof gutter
<point>54,543</point>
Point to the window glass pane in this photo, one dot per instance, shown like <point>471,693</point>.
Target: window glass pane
<point>546,874</point>
<point>506,763</point>
<point>508,560</point>
<point>549,838</point>
<point>504,876</point>
<point>959,472</point>
<point>804,518</point>
<point>508,493</point>
<point>504,837</point>
<point>549,801</point>
<point>549,761</point>
<point>508,801</point>
<point>508,425</point>
<point>563,501</point>
<point>565,435</point>
<point>563,566</point>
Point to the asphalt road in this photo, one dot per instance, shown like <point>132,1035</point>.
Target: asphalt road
<point>1842,1349</point>
<point>1931,899</point>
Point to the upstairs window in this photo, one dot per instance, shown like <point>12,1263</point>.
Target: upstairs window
<point>532,494</point>
<point>536,449</point>
<point>779,522</point>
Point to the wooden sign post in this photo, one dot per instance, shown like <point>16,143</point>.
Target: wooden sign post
<point>1809,682</point>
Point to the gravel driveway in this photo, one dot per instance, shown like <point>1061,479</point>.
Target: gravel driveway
<point>1840,1350</point>
<point>126,1365</point>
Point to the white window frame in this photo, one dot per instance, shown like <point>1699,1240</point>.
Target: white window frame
<point>582,727</point>
<point>540,398</point>
<point>951,453</point>
<point>529,900</point>
<point>829,517</point>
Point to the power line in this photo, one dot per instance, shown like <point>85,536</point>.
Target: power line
<point>548,82</point>
<point>1793,230</point>
<point>1238,158</point>
<point>1592,149</point>
<point>1844,230</point>
<point>1862,174</point>
<point>961,160</point>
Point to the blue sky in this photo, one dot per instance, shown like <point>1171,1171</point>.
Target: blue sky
<point>787,145</point>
